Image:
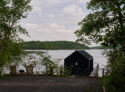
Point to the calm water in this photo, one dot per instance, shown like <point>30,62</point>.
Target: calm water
<point>60,55</point>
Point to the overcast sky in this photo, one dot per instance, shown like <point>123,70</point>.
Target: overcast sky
<point>52,20</point>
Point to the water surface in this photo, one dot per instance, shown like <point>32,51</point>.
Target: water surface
<point>60,55</point>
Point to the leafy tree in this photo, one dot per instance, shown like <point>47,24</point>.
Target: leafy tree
<point>106,25</point>
<point>11,12</point>
<point>115,74</point>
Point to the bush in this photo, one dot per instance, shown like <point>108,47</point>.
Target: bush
<point>115,76</point>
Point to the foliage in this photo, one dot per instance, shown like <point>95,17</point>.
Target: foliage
<point>28,60</point>
<point>115,75</point>
<point>52,45</point>
<point>106,25</point>
<point>61,70</point>
<point>49,65</point>
<point>52,67</point>
<point>11,12</point>
<point>36,59</point>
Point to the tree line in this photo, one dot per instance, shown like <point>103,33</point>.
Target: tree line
<point>52,45</point>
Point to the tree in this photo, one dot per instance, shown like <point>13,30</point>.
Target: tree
<point>114,80</point>
<point>106,25</point>
<point>11,12</point>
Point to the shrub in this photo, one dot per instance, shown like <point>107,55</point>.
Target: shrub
<point>115,76</point>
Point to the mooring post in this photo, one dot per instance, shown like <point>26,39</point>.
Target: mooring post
<point>103,72</point>
<point>97,70</point>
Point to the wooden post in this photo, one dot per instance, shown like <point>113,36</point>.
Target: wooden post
<point>103,72</point>
<point>29,69</point>
<point>12,69</point>
<point>97,70</point>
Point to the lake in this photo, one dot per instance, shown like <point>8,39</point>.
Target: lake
<point>60,55</point>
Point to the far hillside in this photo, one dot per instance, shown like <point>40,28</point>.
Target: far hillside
<point>100,47</point>
<point>52,45</point>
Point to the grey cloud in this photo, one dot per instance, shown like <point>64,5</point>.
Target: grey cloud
<point>54,19</point>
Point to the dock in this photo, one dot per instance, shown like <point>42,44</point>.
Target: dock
<point>37,83</point>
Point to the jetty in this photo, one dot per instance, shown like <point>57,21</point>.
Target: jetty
<point>38,83</point>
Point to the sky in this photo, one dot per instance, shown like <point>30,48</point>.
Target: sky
<point>54,20</point>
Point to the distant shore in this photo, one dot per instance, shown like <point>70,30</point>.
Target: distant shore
<point>56,45</point>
